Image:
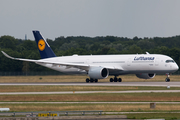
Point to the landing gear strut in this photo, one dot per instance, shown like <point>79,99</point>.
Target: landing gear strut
<point>91,80</point>
<point>115,79</point>
<point>167,79</point>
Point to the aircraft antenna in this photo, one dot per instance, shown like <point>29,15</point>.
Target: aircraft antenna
<point>147,53</point>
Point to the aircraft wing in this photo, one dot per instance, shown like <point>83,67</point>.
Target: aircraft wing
<point>68,65</point>
<point>28,60</point>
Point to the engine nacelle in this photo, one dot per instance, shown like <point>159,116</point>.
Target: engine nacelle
<point>146,75</point>
<point>98,73</point>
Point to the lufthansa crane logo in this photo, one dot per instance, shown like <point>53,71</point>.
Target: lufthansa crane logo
<point>41,45</point>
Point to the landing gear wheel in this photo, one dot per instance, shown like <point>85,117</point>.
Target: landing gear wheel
<point>111,80</point>
<point>96,80</point>
<point>87,80</point>
<point>120,80</point>
<point>91,80</point>
<point>167,80</point>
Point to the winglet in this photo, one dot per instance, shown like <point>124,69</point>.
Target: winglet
<point>28,60</point>
<point>7,55</point>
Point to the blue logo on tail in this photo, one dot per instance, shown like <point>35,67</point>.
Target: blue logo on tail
<point>43,47</point>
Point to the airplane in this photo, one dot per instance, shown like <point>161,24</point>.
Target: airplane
<point>145,66</point>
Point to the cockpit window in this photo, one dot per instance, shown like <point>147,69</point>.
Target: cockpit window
<point>169,61</point>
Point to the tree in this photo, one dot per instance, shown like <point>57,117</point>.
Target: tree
<point>135,38</point>
<point>84,46</point>
<point>8,42</point>
<point>112,51</point>
<point>134,49</point>
<point>25,67</point>
<point>67,46</point>
<point>145,44</point>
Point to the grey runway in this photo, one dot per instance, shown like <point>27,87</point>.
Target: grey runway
<point>162,84</point>
<point>88,92</point>
<point>89,102</point>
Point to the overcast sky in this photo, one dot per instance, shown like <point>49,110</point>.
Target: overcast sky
<point>122,18</point>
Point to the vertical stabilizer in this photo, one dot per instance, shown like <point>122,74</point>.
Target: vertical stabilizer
<point>42,45</point>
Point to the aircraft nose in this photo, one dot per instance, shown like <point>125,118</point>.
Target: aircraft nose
<point>176,67</point>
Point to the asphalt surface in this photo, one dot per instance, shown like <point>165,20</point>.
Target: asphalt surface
<point>171,84</point>
<point>162,84</point>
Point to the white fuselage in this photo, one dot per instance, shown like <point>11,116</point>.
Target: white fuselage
<point>124,64</point>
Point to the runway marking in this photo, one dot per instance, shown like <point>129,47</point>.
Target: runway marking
<point>88,92</point>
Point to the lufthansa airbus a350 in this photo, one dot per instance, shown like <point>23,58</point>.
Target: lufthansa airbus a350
<point>145,66</point>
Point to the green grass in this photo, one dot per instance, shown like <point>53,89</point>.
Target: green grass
<point>79,88</point>
<point>167,116</point>
<point>91,107</point>
<point>79,78</point>
<point>96,97</point>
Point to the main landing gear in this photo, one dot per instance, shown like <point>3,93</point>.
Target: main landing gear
<point>91,80</point>
<point>111,80</point>
<point>167,79</point>
<point>115,79</point>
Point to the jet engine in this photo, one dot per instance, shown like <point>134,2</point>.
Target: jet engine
<point>146,75</point>
<point>98,73</point>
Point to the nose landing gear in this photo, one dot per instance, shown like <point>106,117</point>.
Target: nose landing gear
<point>167,79</point>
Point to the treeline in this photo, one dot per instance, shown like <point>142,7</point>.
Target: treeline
<point>80,45</point>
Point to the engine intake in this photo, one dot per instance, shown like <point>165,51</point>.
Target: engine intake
<point>146,75</point>
<point>98,73</point>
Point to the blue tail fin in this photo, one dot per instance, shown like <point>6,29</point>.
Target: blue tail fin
<point>43,47</point>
